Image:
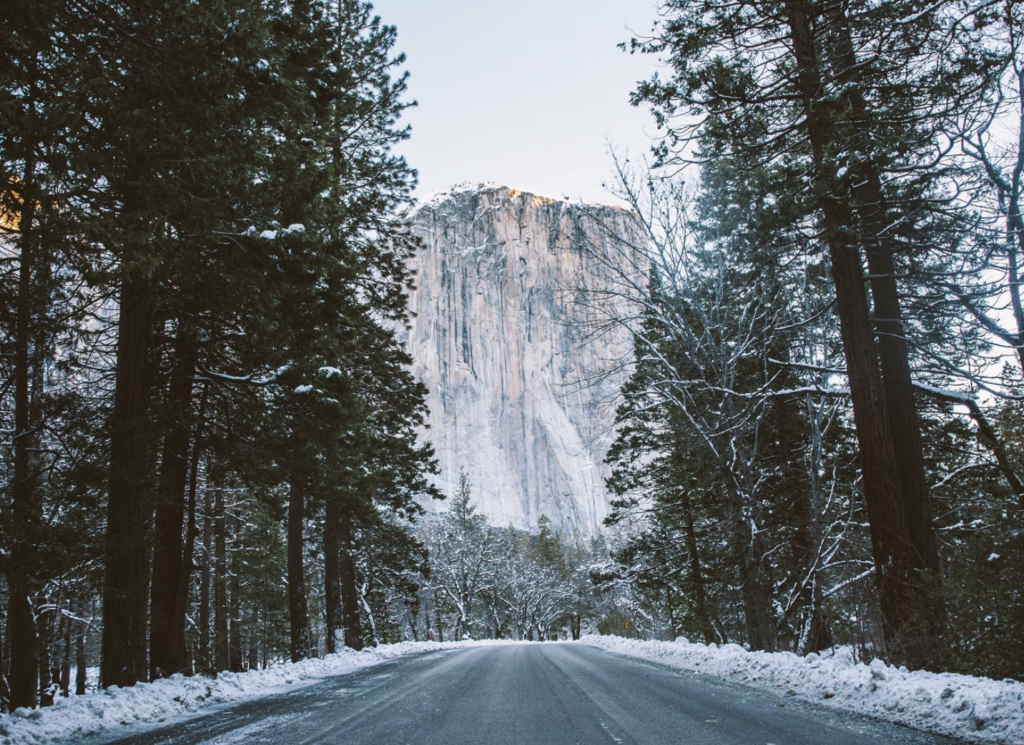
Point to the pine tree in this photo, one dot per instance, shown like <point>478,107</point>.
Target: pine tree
<point>858,93</point>
<point>45,257</point>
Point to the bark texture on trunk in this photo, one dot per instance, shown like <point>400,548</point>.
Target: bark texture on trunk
<point>332,575</point>
<point>81,661</point>
<point>349,592</point>
<point>874,222</point>
<point>167,632</point>
<point>901,535</point>
<point>65,663</point>
<point>25,512</point>
<point>297,611</point>
<point>24,665</point>
<point>128,504</point>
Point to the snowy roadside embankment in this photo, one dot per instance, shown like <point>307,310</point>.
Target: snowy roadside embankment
<point>976,709</point>
<point>178,696</point>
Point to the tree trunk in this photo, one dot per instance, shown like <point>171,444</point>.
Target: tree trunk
<point>906,597</point>
<point>220,586</point>
<point>81,668</point>
<point>205,660</point>
<point>700,600</point>
<point>755,585</point>
<point>816,634</point>
<point>349,592</point>
<point>167,631</point>
<point>370,620</point>
<point>923,644</point>
<point>24,666</point>
<point>125,580</point>
<point>25,509</point>
<point>5,691</point>
<point>177,626</point>
<point>235,644</point>
<point>297,610</point>
<point>332,574</point>
<point>755,588</point>
<point>45,661</point>
<point>65,663</point>
<point>253,650</point>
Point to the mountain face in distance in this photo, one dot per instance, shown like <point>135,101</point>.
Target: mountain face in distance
<point>523,373</point>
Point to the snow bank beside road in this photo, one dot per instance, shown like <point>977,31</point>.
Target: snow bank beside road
<point>178,696</point>
<point>976,709</point>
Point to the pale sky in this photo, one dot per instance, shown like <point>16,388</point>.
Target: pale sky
<point>527,93</point>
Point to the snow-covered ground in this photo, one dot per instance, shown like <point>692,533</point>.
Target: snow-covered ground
<point>178,697</point>
<point>975,709</point>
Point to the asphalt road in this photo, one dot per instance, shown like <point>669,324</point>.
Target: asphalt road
<point>528,694</point>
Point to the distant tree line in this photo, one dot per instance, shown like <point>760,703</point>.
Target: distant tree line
<point>503,583</point>
<point>821,439</point>
<point>209,432</point>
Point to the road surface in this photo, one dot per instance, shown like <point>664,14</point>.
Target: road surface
<point>524,694</point>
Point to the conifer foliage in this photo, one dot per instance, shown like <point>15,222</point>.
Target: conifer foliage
<point>202,269</point>
<point>829,303</point>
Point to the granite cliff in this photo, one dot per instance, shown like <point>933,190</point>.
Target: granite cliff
<point>522,388</point>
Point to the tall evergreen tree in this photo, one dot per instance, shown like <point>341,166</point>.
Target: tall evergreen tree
<point>858,92</point>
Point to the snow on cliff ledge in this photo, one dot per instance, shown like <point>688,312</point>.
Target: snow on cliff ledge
<point>975,709</point>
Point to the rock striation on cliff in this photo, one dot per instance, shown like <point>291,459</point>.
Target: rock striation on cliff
<point>523,381</point>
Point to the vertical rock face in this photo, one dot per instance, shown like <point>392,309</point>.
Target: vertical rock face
<point>522,386</point>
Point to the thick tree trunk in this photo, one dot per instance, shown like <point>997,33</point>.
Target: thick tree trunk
<point>297,610</point>
<point>926,640</point>
<point>332,575</point>
<point>125,577</point>
<point>167,631</point>
<point>898,528</point>
<point>349,592</point>
<point>25,509</point>
<point>24,666</point>
<point>220,586</point>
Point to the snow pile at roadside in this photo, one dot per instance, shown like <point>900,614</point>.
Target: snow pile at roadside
<point>975,709</point>
<point>179,696</point>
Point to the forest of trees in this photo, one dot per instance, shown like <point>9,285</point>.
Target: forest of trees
<point>211,441</point>
<point>821,439</point>
<point>503,583</point>
<point>207,419</point>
